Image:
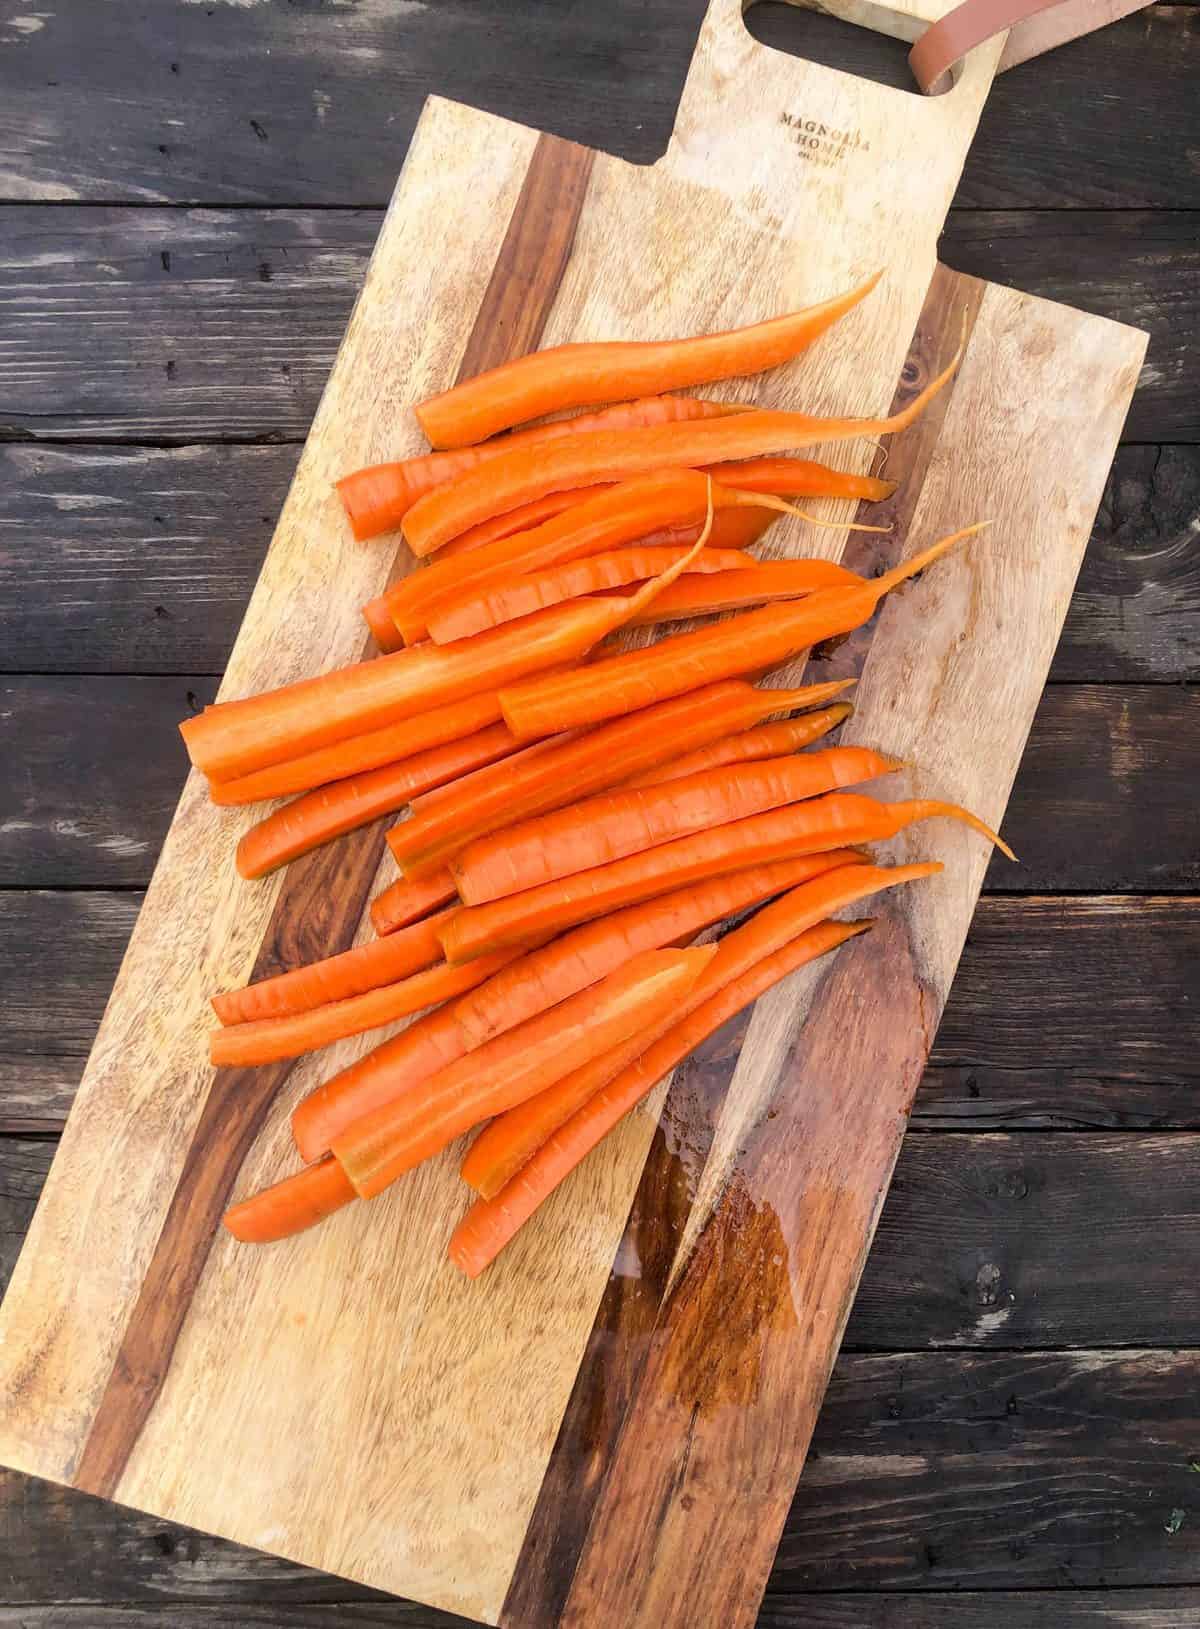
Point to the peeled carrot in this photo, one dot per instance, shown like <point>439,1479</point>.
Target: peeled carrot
<point>378,617</point>
<point>761,583</point>
<point>625,513</point>
<point>352,972</point>
<point>836,821</point>
<point>491,1223</point>
<point>556,970</point>
<point>521,519</point>
<point>599,830</point>
<point>592,762</point>
<point>580,375</point>
<point>329,811</point>
<point>377,1149</point>
<point>767,741</point>
<point>799,478</point>
<point>607,455</point>
<point>504,1146</point>
<point>290,1206</point>
<point>405,901</point>
<point>266,1040</point>
<point>469,787</point>
<point>236,737</point>
<point>596,573</point>
<point>377,498</point>
<point>754,640</point>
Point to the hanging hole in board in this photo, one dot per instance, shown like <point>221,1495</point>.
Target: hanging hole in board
<point>868,40</point>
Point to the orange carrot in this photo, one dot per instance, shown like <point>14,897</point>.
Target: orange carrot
<point>377,498</point>
<point>491,1223</point>
<point>329,811</point>
<point>370,750</point>
<point>405,901</point>
<point>799,478</point>
<point>266,1040</point>
<point>581,375</point>
<point>236,737</point>
<point>767,741</point>
<point>602,829</point>
<point>377,1149</point>
<point>521,519</point>
<point>468,787</point>
<point>592,762</point>
<point>761,583</point>
<point>626,513</point>
<point>755,639</point>
<point>556,970</point>
<point>607,455</point>
<point>504,1146</point>
<point>838,820</point>
<point>596,573</point>
<point>292,1205</point>
<point>378,617</point>
<point>351,973</point>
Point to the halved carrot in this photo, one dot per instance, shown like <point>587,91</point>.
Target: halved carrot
<point>761,583</point>
<point>290,1206</point>
<point>592,762</point>
<point>766,741</point>
<point>377,1149</point>
<point>352,972</point>
<point>521,519</point>
<point>753,640</point>
<point>236,737</point>
<point>491,1223</point>
<point>580,375</point>
<point>405,901</point>
<point>596,573</point>
<point>556,970</point>
<point>342,806</point>
<point>607,455</point>
<point>599,830</point>
<point>266,1040</point>
<point>504,1146</point>
<point>377,498</point>
<point>799,478</point>
<point>838,820</point>
<point>469,787</point>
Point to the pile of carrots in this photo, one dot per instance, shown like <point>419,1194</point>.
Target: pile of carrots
<point>580,818</point>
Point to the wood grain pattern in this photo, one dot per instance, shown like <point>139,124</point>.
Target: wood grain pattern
<point>228,1441</point>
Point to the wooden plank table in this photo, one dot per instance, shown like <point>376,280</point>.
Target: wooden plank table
<point>188,194</point>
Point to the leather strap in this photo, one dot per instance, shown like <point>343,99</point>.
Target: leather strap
<point>1036,25</point>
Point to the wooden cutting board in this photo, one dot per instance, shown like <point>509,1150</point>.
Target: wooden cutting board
<point>607,1428</point>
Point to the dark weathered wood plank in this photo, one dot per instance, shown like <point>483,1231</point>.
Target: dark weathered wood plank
<point>1065,1012</point>
<point>175,106</point>
<point>100,766</point>
<point>141,559</point>
<point>931,1472</point>
<point>208,324</point>
<point>1063,1608</point>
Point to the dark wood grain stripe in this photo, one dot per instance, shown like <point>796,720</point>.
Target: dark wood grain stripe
<point>322,900</point>
<point>611,1372</point>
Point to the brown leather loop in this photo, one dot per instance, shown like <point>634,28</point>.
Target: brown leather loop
<point>947,41</point>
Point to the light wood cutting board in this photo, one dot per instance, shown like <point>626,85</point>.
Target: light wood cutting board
<point>607,1428</point>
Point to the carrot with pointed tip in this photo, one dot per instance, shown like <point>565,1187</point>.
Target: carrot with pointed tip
<point>603,829</point>
<point>580,375</point>
<point>405,901</point>
<point>800,478</point>
<point>290,1206</point>
<point>490,1224</point>
<point>754,639</point>
<point>748,746</point>
<point>377,498</point>
<point>504,1146</point>
<point>760,583</point>
<point>330,811</point>
<point>592,762</point>
<point>557,969</point>
<point>334,978</point>
<point>377,1149</point>
<point>267,1040</point>
<point>838,820</point>
<point>596,573</point>
<point>606,455</point>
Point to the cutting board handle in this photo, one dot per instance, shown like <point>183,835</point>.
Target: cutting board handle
<point>803,146</point>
